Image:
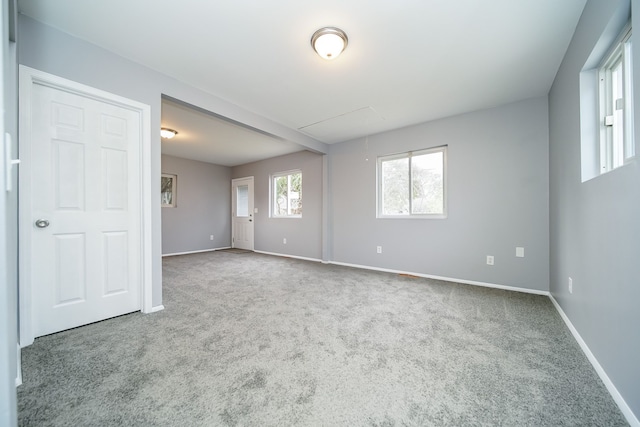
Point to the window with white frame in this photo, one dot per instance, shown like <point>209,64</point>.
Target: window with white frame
<point>286,191</point>
<point>413,184</point>
<point>615,98</point>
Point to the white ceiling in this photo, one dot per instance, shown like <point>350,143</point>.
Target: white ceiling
<point>203,136</point>
<point>407,61</point>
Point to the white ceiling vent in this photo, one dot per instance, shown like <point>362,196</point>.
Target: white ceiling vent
<point>344,126</point>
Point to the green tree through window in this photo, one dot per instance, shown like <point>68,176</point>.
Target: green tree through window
<point>287,194</point>
<point>412,184</point>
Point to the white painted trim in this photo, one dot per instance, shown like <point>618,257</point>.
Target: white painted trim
<point>427,276</point>
<point>615,394</point>
<point>289,256</point>
<point>196,252</point>
<point>27,78</point>
<point>18,366</point>
<point>148,186</point>
<point>157,308</point>
<point>447,279</point>
<point>25,333</point>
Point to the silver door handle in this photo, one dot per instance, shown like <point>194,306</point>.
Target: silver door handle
<point>42,223</point>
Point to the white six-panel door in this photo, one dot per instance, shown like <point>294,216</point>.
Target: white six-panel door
<point>85,195</point>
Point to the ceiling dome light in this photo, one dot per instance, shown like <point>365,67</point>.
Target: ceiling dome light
<point>329,42</point>
<point>167,133</point>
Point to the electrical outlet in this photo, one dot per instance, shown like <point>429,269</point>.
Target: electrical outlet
<point>570,285</point>
<point>490,260</point>
<point>520,252</point>
<point>284,241</point>
<point>379,249</point>
<point>211,237</point>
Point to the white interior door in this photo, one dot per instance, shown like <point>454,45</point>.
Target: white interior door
<point>242,213</point>
<point>84,215</point>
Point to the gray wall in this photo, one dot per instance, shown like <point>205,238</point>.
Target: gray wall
<point>595,225</point>
<point>497,199</point>
<point>304,235</point>
<point>203,207</point>
<point>47,49</point>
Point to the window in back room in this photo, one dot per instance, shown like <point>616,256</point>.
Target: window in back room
<point>286,194</point>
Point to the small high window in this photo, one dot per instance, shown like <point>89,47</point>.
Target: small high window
<point>615,94</point>
<point>412,184</point>
<point>286,191</point>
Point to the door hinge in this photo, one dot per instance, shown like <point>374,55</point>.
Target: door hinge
<point>608,120</point>
<point>620,104</point>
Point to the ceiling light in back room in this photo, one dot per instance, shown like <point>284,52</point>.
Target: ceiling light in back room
<point>167,133</point>
<point>329,42</point>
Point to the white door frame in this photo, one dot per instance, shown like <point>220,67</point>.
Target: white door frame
<point>28,78</point>
<point>251,208</point>
<point>8,322</point>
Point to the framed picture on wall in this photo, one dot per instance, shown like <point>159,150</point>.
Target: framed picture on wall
<point>169,185</point>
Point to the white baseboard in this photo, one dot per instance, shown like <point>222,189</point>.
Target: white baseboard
<point>447,279</point>
<point>196,252</point>
<point>617,397</point>
<point>428,276</point>
<point>289,256</point>
<point>157,308</point>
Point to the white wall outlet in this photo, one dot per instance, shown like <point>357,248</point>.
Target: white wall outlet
<point>490,260</point>
<point>211,237</point>
<point>284,241</point>
<point>255,210</point>
<point>520,252</point>
<point>570,285</point>
<point>379,249</point>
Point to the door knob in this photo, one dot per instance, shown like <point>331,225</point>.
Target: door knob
<point>42,223</point>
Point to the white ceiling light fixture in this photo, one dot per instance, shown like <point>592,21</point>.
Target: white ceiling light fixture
<point>167,133</point>
<point>329,42</point>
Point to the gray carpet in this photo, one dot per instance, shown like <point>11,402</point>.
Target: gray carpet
<point>266,341</point>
